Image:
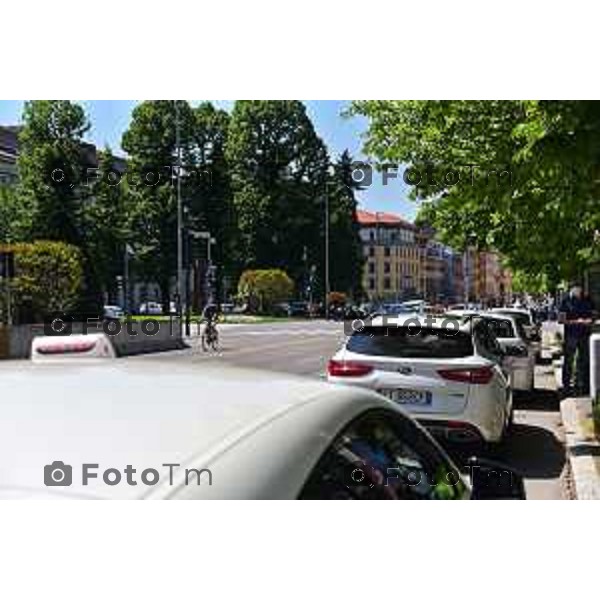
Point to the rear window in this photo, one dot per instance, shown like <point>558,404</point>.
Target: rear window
<point>407,342</point>
<point>520,318</point>
<point>501,328</point>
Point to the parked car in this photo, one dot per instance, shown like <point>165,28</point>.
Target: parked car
<point>353,312</point>
<point>521,352</point>
<point>448,376</point>
<point>247,436</point>
<point>519,356</point>
<point>150,308</point>
<point>298,308</point>
<point>531,327</point>
<point>281,309</point>
<point>112,311</point>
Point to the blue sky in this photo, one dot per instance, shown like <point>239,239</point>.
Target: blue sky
<point>110,118</point>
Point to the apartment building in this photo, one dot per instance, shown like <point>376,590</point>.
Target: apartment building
<point>8,155</point>
<point>9,152</point>
<point>394,266</point>
<point>403,261</point>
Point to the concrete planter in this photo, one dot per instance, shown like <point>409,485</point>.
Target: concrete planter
<point>142,337</point>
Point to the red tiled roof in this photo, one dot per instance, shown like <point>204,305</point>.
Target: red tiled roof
<point>382,218</point>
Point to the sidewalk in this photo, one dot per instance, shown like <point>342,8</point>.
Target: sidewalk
<point>583,448</point>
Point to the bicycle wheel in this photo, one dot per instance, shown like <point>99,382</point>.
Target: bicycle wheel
<point>214,342</point>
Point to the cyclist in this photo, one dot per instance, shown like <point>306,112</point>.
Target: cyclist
<point>210,316</point>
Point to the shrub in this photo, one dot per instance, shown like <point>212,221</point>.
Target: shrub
<point>261,289</point>
<point>48,278</point>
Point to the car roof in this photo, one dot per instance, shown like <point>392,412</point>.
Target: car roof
<point>435,322</point>
<point>512,311</point>
<point>499,315</point>
<point>483,314</point>
<point>144,413</point>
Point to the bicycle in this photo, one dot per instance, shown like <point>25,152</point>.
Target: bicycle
<point>210,337</point>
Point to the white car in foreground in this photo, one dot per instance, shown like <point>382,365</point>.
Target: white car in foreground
<point>444,371</point>
<point>154,430</point>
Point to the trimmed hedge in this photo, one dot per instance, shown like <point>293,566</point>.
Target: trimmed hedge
<point>48,278</point>
<point>263,288</point>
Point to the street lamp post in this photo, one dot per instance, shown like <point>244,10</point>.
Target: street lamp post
<point>179,212</point>
<point>326,255</point>
<point>126,282</point>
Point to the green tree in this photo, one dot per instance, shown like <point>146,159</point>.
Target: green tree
<point>543,217</point>
<point>151,144</point>
<point>346,253</point>
<point>48,278</point>
<point>279,168</point>
<point>107,223</point>
<point>51,166</point>
<point>15,219</point>
<point>53,163</point>
<point>210,199</point>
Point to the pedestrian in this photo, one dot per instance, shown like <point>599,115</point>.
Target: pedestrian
<point>576,313</point>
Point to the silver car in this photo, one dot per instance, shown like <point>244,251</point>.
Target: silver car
<point>158,430</point>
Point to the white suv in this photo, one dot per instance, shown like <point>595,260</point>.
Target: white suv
<point>445,372</point>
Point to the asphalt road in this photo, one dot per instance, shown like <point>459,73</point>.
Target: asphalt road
<point>535,446</point>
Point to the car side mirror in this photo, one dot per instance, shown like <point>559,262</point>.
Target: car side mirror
<point>493,481</point>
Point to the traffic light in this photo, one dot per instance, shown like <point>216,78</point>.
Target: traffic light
<point>7,265</point>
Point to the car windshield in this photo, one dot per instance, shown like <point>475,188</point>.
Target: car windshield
<point>406,342</point>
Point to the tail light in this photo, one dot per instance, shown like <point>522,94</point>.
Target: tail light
<point>67,348</point>
<point>477,375</point>
<point>348,368</point>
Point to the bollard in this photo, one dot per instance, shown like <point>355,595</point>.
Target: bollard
<point>594,365</point>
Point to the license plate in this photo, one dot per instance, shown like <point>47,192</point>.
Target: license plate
<point>402,396</point>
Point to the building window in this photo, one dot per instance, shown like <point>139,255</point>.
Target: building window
<point>371,251</point>
<point>371,267</point>
<point>386,251</point>
<point>372,235</point>
<point>387,283</point>
<point>386,267</point>
<point>371,284</point>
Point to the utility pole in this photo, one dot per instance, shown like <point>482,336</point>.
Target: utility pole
<point>326,255</point>
<point>126,280</point>
<point>179,213</point>
<point>466,275</point>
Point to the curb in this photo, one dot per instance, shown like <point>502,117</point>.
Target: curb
<point>581,449</point>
